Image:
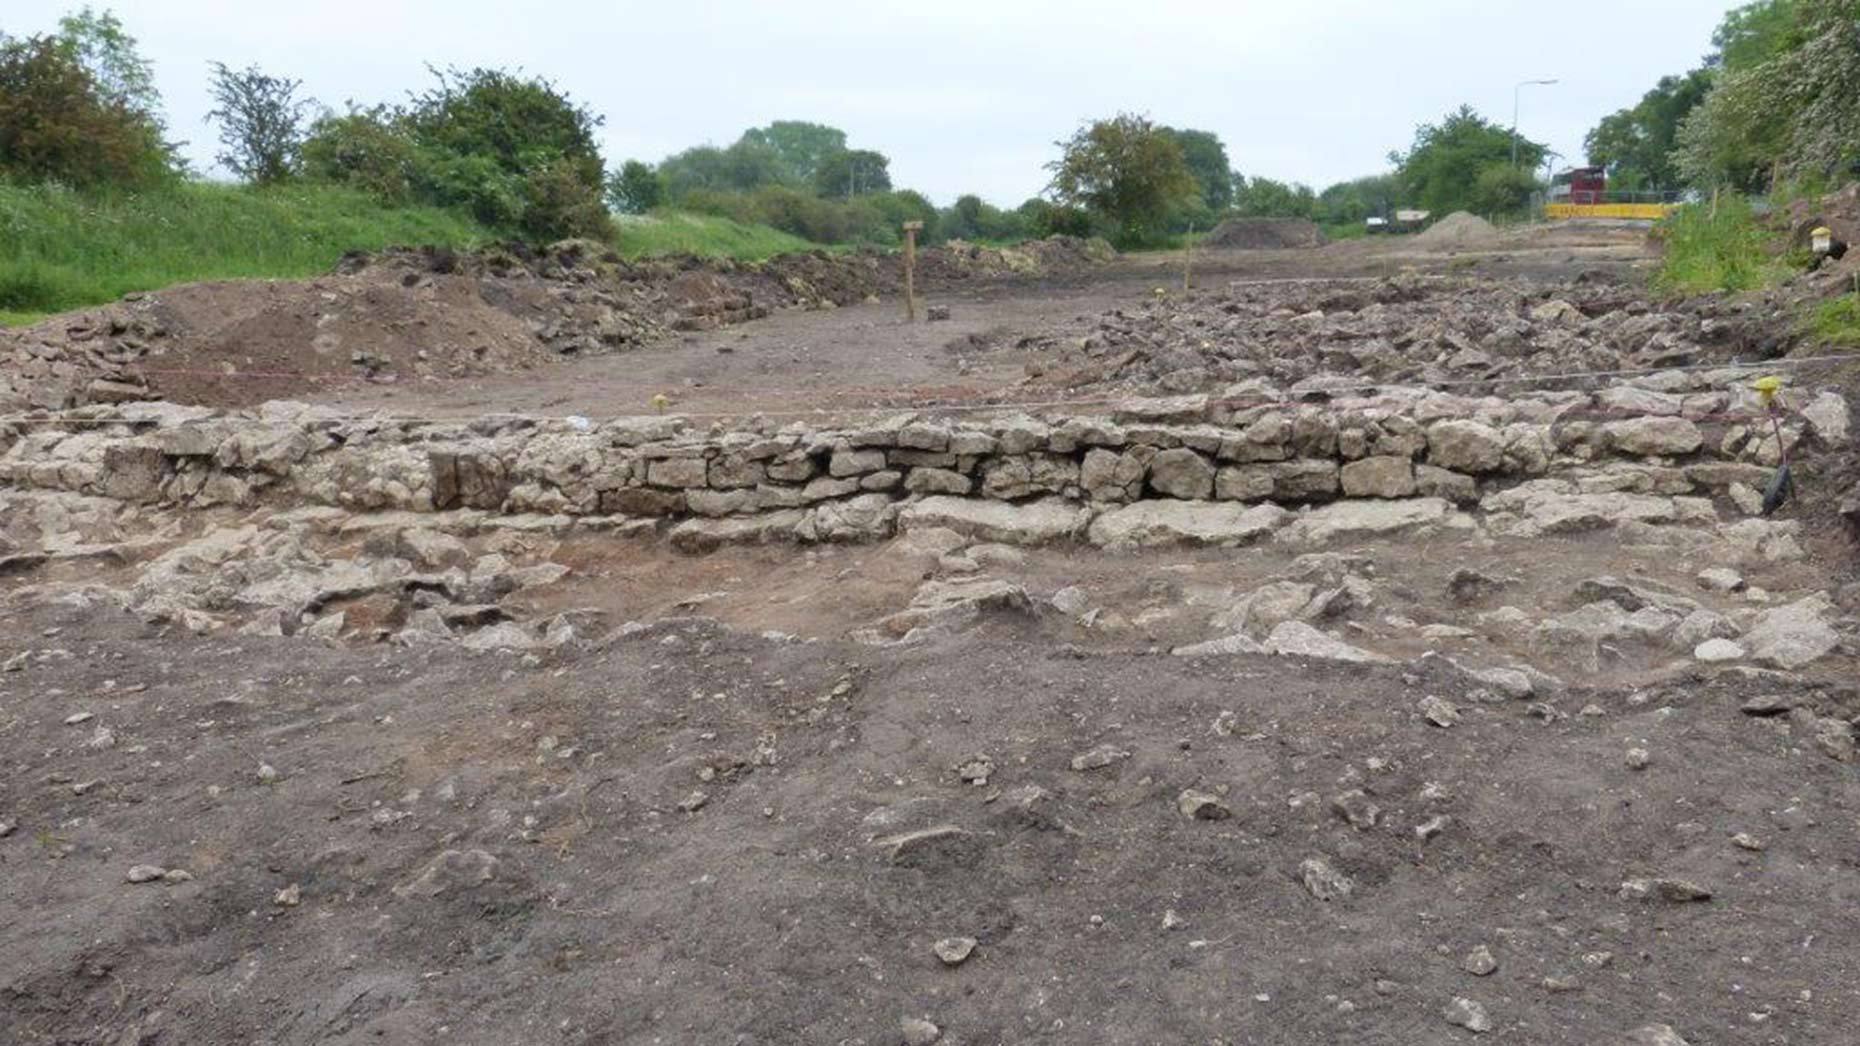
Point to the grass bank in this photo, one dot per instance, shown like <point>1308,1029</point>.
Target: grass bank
<point>61,249</point>
<point>711,236</point>
<point>1722,247</point>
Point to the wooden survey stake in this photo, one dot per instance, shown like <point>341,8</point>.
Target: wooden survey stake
<point>910,270</point>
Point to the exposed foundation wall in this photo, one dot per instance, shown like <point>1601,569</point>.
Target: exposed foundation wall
<point>849,482</point>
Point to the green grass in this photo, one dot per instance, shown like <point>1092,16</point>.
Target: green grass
<point>1836,321</point>
<point>61,249</point>
<point>682,232</point>
<point>1725,250</point>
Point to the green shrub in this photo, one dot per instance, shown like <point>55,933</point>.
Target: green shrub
<point>636,189</point>
<point>558,203</point>
<point>362,148</point>
<point>57,123</point>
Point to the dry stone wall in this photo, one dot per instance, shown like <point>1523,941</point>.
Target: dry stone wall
<point>1221,470</point>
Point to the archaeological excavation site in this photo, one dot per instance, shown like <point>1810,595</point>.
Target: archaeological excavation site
<point>1403,641</point>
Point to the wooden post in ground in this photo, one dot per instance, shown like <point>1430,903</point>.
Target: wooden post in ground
<point>911,230</point>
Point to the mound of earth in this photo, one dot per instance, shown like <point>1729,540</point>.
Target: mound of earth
<point>1264,234</point>
<point>1458,231</point>
<point>414,313</point>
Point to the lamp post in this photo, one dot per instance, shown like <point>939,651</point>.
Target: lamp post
<point>1515,91</point>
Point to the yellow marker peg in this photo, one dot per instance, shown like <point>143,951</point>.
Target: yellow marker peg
<point>1767,388</point>
<point>660,401</point>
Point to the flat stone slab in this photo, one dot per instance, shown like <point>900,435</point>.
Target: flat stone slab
<point>1347,520</point>
<point>1029,523</point>
<point>1149,523</point>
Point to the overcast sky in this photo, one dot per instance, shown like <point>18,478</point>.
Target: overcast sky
<point>963,95</point>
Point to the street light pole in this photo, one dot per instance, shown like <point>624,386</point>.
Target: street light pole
<point>1515,91</point>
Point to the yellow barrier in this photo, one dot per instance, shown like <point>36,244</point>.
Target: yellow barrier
<point>1651,212</point>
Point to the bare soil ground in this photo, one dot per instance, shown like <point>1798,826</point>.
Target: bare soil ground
<point>722,810</point>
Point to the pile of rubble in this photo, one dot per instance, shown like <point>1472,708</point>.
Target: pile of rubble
<point>1406,329</point>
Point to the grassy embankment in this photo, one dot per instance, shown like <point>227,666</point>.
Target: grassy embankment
<point>1733,249</point>
<point>63,250</point>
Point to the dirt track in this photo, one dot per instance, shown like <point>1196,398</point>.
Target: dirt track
<point>515,774</point>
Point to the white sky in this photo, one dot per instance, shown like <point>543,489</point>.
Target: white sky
<point>963,95</point>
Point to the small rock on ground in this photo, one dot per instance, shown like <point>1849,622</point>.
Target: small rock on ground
<point>954,951</point>
<point>1439,711</point>
<point>1202,806</point>
<point>1467,1014</point>
<point>1479,962</point>
<point>919,1032</point>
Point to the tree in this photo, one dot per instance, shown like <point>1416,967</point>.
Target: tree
<point>261,122</point>
<point>1126,169</point>
<point>100,44</point>
<point>799,147</point>
<point>1753,34</point>
<point>1206,158</point>
<point>853,172</point>
<point>636,189</point>
<point>1636,144</point>
<point>1795,113</point>
<point>1440,171</point>
<point>57,123</point>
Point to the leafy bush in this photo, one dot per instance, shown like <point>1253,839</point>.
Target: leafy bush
<point>558,203</point>
<point>363,148</point>
<point>1045,218</point>
<point>636,189</point>
<point>57,123</point>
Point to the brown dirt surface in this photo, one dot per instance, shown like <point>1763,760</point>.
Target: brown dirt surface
<point>682,836</point>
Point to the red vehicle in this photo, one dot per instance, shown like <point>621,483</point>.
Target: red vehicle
<point>1580,185</point>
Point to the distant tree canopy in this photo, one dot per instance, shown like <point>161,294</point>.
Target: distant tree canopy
<point>1269,198</point>
<point>1442,170</point>
<point>1207,161</point>
<point>800,148</point>
<point>79,107</point>
<point>852,172</point>
<point>1127,170</point>
<point>1636,144</point>
<point>1778,98</point>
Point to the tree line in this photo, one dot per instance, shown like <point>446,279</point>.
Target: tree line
<point>1774,105</point>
